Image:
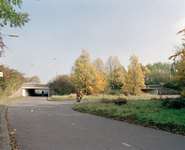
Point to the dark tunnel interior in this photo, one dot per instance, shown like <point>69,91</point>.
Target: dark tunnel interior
<point>32,92</point>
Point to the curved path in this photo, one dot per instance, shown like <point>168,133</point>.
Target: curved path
<point>53,125</point>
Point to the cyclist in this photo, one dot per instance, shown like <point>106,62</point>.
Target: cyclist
<point>79,96</point>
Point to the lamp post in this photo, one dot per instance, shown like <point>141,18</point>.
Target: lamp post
<point>28,71</point>
<point>11,35</point>
<point>56,67</point>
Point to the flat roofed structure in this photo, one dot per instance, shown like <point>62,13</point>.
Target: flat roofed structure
<point>152,89</point>
<point>29,89</point>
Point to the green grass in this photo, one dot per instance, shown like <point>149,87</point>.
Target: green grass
<point>148,113</point>
<point>100,96</point>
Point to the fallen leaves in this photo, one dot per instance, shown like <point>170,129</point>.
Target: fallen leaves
<point>12,133</point>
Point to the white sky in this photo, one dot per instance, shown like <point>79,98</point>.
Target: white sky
<point>61,28</point>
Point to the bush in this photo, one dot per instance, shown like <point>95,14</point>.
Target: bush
<point>114,92</point>
<point>119,101</point>
<point>182,94</point>
<point>126,93</point>
<point>173,86</point>
<point>104,100</point>
<point>176,103</point>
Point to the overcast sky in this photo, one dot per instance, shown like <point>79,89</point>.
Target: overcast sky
<point>61,28</point>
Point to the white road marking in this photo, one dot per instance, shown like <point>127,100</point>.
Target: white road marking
<point>126,144</point>
<point>73,123</point>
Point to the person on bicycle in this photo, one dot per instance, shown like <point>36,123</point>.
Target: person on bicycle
<point>79,95</point>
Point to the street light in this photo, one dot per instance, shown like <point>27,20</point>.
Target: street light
<point>56,67</point>
<point>28,71</point>
<point>11,35</point>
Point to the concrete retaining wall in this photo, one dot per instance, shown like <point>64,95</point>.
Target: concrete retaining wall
<point>17,93</point>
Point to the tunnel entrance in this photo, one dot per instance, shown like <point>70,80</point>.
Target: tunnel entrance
<point>35,92</point>
<point>28,89</point>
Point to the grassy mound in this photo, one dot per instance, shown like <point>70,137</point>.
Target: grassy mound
<point>148,113</point>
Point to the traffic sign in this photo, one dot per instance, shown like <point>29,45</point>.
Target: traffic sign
<point>1,74</point>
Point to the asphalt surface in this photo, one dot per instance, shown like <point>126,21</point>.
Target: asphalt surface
<point>52,125</point>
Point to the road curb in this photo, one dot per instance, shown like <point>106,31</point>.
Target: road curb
<point>5,133</point>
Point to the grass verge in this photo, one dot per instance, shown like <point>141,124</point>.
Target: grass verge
<point>12,139</point>
<point>148,113</point>
<point>100,96</point>
<point>8,99</point>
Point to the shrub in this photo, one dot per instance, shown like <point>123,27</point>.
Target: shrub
<point>104,100</point>
<point>126,93</point>
<point>182,94</point>
<point>114,92</point>
<point>176,103</point>
<point>173,86</point>
<point>120,101</point>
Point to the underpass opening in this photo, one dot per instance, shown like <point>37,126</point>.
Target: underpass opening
<point>36,92</point>
<point>28,89</point>
<point>31,91</point>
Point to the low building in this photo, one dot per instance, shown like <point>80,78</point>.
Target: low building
<point>152,89</point>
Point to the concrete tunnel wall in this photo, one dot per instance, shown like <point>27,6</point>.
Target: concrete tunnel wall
<point>28,92</point>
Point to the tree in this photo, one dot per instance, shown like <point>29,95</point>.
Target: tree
<point>100,83</point>
<point>179,65</point>
<point>160,73</point>
<point>9,15</point>
<point>134,78</point>
<point>11,81</point>
<point>146,72</point>
<point>62,85</point>
<point>179,76</point>
<point>115,73</point>
<point>98,63</point>
<point>34,79</point>
<point>179,52</point>
<point>83,74</point>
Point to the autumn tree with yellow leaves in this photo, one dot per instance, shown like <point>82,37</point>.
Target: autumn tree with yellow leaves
<point>100,83</point>
<point>115,73</point>
<point>146,72</point>
<point>98,63</point>
<point>83,74</point>
<point>179,59</point>
<point>134,78</point>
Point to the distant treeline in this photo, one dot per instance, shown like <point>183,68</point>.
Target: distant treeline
<point>99,77</point>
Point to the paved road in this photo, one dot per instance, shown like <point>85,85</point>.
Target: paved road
<point>53,125</point>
